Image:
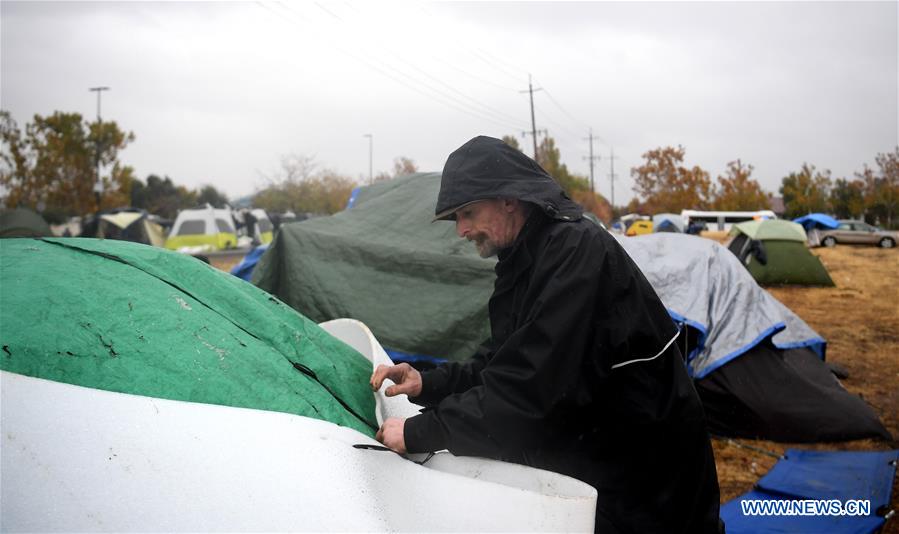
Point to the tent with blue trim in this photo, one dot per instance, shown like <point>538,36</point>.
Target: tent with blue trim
<point>758,367</point>
<point>424,293</point>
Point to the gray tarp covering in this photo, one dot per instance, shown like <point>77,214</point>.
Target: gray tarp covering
<point>704,285</point>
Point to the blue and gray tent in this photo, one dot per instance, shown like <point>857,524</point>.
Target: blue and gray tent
<point>424,292</point>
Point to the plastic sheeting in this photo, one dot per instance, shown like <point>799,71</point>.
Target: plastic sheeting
<point>132,318</point>
<point>703,285</point>
<point>81,459</point>
<point>420,288</point>
<point>244,269</point>
<point>819,475</point>
<point>784,395</point>
<point>424,291</point>
<point>816,220</point>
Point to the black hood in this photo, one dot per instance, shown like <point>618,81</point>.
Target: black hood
<point>486,168</point>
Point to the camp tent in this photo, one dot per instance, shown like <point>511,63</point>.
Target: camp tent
<point>421,289</point>
<point>151,378</point>
<point>758,367</point>
<point>667,222</point>
<point>202,230</point>
<point>264,229</point>
<point>22,222</point>
<point>424,292</point>
<point>775,252</point>
<point>257,228</point>
<point>127,224</point>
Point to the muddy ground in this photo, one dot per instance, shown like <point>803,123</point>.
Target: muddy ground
<point>859,318</point>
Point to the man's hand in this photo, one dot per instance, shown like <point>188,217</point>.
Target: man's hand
<point>391,434</point>
<point>406,378</point>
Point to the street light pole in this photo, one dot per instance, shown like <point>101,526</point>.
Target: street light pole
<point>98,185</point>
<point>370,144</point>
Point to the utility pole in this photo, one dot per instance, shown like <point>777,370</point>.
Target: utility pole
<point>370,144</point>
<point>533,122</point>
<point>98,185</point>
<point>592,158</point>
<point>612,175</point>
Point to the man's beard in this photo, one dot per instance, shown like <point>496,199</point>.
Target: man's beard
<point>487,248</point>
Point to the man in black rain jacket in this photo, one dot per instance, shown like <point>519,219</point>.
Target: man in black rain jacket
<point>582,374</point>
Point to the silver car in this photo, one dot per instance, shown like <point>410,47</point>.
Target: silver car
<point>858,233</point>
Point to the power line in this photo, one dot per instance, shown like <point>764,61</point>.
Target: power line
<point>572,117</point>
<point>384,69</point>
<point>486,108</point>
<point>486,111</point>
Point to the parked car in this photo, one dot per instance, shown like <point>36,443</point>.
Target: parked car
<point>859,233</point>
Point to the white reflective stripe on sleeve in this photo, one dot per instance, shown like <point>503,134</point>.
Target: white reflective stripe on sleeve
<point>670,341</point>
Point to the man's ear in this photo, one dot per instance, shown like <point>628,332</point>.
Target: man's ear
<point>510,205</point>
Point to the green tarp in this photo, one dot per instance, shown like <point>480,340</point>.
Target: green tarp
<point>131,318</point>
<point>418,287</point>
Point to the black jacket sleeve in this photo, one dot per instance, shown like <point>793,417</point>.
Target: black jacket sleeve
<point>452,377</point>
<point>534,370</point>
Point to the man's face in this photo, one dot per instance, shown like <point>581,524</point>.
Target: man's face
<point>489,223</point>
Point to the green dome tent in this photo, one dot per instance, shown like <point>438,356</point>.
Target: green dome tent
<point>775,252</point>
<point>22,222</point>
<point>131,318</point>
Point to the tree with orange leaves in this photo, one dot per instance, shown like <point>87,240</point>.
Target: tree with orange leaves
<point>666,185</point>
<point>737,191</point>
<point>52,167</point>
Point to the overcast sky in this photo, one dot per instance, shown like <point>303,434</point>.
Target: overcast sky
<point>217,93</point>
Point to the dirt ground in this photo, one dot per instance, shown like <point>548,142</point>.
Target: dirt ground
<point>859,318</point>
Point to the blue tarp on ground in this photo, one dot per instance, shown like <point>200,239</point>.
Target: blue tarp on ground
<point>819,475</point>
<point>816,220</point>
<point>244,269</point>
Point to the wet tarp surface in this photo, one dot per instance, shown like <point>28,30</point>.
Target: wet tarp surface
<point>819,475</point>
<point>784,395</point>
<point>703,285</point>
<point>132,318</point>
<point>417,286</point>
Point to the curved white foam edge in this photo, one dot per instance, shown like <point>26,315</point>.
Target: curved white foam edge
<point>81,459</point>
<point>357,335</point>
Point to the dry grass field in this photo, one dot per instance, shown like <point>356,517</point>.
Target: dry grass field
<point>859,318</point>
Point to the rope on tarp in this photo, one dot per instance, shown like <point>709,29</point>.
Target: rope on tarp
<point>759,450</point>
